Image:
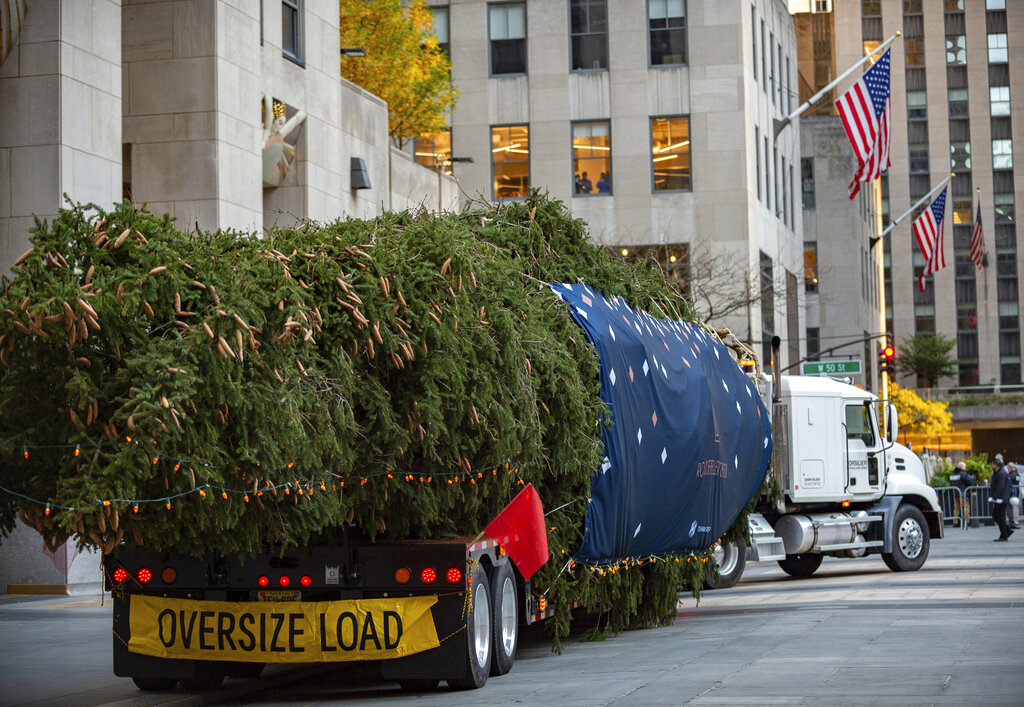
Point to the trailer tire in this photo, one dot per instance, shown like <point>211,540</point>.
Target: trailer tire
<point>209,676</point>
<point>148,684</point>
<point>477,634</point>
<point>731,559</point>
<point>910,540</point>
<point>803,565</point>
<point>505,619</point>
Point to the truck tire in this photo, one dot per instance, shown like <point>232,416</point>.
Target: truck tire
<point>149,684</point>
<point>731,559</point>
<point>910,540</point>
<point>803,565</point>
<point>477,635</point>
<point>209,676</point>
<point>505,619</point>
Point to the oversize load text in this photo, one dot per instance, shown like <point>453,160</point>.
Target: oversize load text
<point>282,632</point>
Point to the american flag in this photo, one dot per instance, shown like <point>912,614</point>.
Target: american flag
<point>977,244</point>
<point>864,110</point>
<point>928,231</point>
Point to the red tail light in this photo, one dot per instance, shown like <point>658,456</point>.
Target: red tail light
<point>305,581</point>
<point>428,575</point>
<point>264,580</point>
<point>283,580</point>
<point>144,575</point>
<point>453,575</point>
<point>120,575</point>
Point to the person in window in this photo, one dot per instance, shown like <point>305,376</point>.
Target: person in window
<point>603,185</point>
<point>586,186</point>
<point>576,183</point>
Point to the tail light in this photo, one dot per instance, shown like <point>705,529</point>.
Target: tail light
<point>168,575</point>
<point>403,575</point>
<point>120,575</point>
<point>306,580</point>
<point>144,575</point>
<point>283,580</point>
<point>428,575</point>
<point>264,580</point>
<point>453,575</point>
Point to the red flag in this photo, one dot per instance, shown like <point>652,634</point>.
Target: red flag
<point>520,529</point>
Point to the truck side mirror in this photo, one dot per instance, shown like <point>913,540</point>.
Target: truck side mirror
<point>892,423</point>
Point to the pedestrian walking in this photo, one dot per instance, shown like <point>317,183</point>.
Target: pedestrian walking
<point>1014,475</point>
<point>999,497</point>
<point>962,479</point>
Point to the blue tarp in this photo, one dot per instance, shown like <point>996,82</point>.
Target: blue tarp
<point>689,442</point>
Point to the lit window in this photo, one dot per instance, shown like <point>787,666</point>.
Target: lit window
<point>436,151</point>
<point>508,38</point>
<point>1002,154</point>
<point>954,5</point>
<point>997,49</point>
<point>591,158</point>
<point>670,153</point>
<point>667,31</point>
<point>995,4</point>
<point>999,100</point>
<point>870,46</point>
<point>291,29</point>
<point>810,266</point>
<point>962,210</point>
<point>914,49</point>
<point>956,49</point>
<point>510,161</point>
<point>440,24</point>
<point>589,31</point>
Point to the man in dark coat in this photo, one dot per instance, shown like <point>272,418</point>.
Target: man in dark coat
<point>1014,474</point>
<point>999,497</point>
<point>962,479</point>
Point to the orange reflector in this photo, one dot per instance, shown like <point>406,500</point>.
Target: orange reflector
<point>845,504</point>
<point>428,575</point>
<point>542,603</point>
<point>453,575</point>
<point>168,575</point>
<point>306,580</point>
<point>264,580</point>
<point>402,575</point>
<point>144,575</point>
<point>283,580</point>
<point>120,575</point>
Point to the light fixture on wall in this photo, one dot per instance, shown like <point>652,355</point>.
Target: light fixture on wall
<point>353,51</point>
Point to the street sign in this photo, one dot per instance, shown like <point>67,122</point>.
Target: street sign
<point>829,368</point>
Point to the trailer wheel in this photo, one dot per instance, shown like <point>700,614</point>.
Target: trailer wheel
<point>477,634</point>
<point>209,675</point>
<point>505,623</point>
<point>731,559</point>
<point>149,684</point>
<point>910,540</point>
<point>803,565</point>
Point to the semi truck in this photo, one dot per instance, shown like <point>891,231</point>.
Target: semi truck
<point>848,489</point>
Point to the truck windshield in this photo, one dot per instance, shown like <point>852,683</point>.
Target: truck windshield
<point>858,424</point>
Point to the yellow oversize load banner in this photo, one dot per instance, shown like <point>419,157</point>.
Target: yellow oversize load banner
<point>282,632</point>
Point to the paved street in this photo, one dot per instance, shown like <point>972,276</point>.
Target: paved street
<point>854,633</point>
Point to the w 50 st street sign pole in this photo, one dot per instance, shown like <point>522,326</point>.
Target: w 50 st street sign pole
<point>780,124</point>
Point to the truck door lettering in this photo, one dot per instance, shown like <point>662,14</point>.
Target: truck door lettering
<point>323,635</point>
<point>205,629</point>
<point>241,627</point>
<point>186,636</point>
<point>369,631</point>
<point>274,648</point>
<point>160,627</point>
<point>341,635</point>
<point>388,616</point>
<point>293,632</point>
<point>225,625</point>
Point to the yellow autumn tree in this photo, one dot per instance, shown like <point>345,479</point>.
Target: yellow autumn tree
<point>403,64</point>
<point>919,416</point>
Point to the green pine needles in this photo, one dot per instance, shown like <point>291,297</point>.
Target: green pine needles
<point>402,374</point>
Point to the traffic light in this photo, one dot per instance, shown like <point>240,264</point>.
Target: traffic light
<point>887,356</point>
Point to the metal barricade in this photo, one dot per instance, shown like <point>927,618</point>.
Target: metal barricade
<point>979,507</point>
<point>951,503</point>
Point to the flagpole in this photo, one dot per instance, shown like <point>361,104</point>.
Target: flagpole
<point>780,124</point>
<point>909,211</point>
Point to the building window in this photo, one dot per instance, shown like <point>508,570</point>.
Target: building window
<point>440,24</point>
<point>291,29</point>
<point>764,71</point>
<point>780,76</point>
<point>757,150</point>
<point>917,105</point>
<point>1004,208</point>
<point>767,176</point>
<point>436,151</point>
<point>997,49</point>
<point>918,159</point>
<point>771,36</point>
<point>954,5</point>
<point>958,105</point>
<point>592,158</point>
<point>792,319</point>
<point>667,31</point>
<point>956,49</point>
<point>813,342</point>
<point>767,309</point>
<point>785,200</point>
<point>962,215</point>
<point>588,29</point>
<point>810,266</point>
<point>911,7</point>
<point>995,4</point>
<point>960,156</point>
<point>670,153</point>
<point>510,161</point>
<point>1002,154</point>
<point>999,100</point>
<point>807,182</point>
<point>507,30</point>
<point>753,39</point>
